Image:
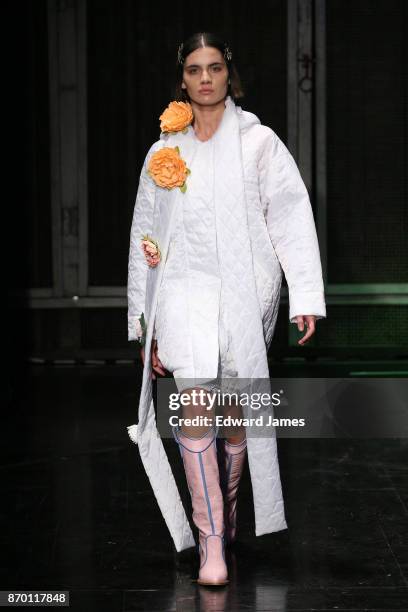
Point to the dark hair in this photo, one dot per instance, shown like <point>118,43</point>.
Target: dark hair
<point>197,41</point>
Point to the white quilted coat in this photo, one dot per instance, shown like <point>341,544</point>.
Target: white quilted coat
<point>263,224</point>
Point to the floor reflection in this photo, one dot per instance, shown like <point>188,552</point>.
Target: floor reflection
<point>78,513</point>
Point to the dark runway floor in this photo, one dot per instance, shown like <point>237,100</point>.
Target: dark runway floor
<point>78,512</point>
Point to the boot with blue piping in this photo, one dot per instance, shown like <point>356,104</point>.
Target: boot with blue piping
<point>231,464</point>
<point>202,473</point>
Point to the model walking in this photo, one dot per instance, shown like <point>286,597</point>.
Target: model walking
<point>220,210</point>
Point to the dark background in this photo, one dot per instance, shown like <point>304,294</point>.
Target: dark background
<point>84,83</point>
<point>88,81</point>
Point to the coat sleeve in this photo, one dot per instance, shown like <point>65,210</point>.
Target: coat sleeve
<point>291,227</point>
<point>142,223</point>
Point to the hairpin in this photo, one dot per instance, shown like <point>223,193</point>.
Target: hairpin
<point>180,54</point>
<point>227,53</point>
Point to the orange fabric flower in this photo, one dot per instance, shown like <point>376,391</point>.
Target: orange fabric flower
<point>168,169</point>
<point>151,250</point>
<point>176,117</point>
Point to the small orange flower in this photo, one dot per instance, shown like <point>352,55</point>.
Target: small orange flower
<point>176,117</point>
<point>151,250</point>
<point>168,169</point>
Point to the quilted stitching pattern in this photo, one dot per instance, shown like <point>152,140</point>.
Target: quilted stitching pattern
<point>292,229</point>
<point>280,234</point>
<point>157,466</point>
<point>188,302</point>
<point>142,223</point>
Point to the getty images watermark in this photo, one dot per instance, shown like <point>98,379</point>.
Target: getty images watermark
<point>287,407</point>
<point>228,403</point>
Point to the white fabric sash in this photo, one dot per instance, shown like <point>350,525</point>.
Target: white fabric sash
<point>236,267</point>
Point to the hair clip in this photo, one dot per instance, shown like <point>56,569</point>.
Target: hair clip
<point>227,52</point>
<point>180,54</point>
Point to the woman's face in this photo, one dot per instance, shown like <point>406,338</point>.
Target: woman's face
<point>205,75</point>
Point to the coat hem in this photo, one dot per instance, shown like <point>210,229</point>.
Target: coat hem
<point>279,527</point>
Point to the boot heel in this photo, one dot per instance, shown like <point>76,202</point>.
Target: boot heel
<point>213,568</point>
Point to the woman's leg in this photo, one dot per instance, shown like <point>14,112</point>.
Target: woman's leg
<point>232,458</point>
<point>198,450</point>
<point>231,447</point>
<point>232,452</point>
<point>197,405</point>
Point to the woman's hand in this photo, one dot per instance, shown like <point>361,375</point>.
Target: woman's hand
<point>156,363</point>
<point>310,321</point>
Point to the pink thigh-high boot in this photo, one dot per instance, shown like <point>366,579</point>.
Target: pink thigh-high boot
<point>231,463</point>
<point>202,473</point>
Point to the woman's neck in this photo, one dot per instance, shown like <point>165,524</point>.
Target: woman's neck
<point>207,118</point>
